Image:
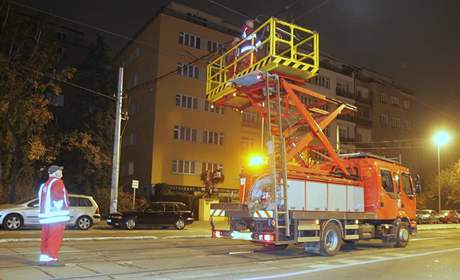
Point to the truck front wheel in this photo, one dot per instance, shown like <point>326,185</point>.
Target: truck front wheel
<point>403,234</point>
<point>331,240</point>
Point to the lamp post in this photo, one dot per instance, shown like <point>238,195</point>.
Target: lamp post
<point>440,138</point>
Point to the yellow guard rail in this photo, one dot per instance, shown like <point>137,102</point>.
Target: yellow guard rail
<point>283,47</point>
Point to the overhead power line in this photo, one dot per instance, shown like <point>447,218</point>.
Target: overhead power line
<point>71,84</point>
<point>310,10</point>
<point>229,9</point>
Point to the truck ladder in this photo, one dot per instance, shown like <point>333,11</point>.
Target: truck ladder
<point>277,156</point>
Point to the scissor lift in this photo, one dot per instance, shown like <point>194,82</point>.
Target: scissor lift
<point>272,82</point>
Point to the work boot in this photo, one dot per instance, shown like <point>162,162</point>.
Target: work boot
<point>44,259</point>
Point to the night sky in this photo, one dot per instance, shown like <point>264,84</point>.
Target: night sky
<point>416,42</point>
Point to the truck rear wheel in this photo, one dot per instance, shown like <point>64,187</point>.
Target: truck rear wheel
<point>331,240</point>
<point>402,235</point>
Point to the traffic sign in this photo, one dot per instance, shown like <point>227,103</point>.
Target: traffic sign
<point>135,184</point>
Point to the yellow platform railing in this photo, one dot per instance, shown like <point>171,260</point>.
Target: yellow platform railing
<point>278,46</point>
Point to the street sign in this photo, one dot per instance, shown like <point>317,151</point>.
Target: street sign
<point>135,184</point>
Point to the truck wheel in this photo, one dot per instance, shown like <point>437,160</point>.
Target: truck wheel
<point>402,236</point>
<point>331,240</point>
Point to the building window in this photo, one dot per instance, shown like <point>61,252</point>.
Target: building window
<point>61,36</point>
<point>186,101</point>
<point>215,47</point>
<point>383,120</point>
<point>135,80</point>
<point>211,166</point>
<point>321,81</point>
<point>406,104</point>
<point>343,89</point>
<point>383,99</point>
<point>188,70</point>
<point>130,168</point>
<point>249,119</point>
<point>213,109</point>
<point>212,137</point>
<point>395,122</point>
<point>343,133</point>
<point>395,101</point>
<point>189,40</point>
<point>183,166</point>
<point>184,133</point>
<point>304,99</point>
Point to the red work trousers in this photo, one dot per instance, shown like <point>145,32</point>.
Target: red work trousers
<point>52,235</point>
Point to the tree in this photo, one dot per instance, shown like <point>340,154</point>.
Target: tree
<point>210,179</point>
<point>27,76</point>
<point>450,189</point>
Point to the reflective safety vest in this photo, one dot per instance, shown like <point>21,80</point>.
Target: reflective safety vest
<point>53,201</point>
<point>247,34</point>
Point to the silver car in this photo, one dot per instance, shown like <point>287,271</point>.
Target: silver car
<point>84,212</point>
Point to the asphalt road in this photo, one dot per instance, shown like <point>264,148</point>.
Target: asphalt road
<point>173,254</point>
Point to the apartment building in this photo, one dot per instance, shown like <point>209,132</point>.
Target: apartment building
<point>173,134</point>
<point>393,117</point>
<point>384,119</point>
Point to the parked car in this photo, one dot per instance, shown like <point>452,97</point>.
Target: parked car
<point>449,216</point>
<point>160,213</point>
<point>427,216</point>
<point>84,212</point>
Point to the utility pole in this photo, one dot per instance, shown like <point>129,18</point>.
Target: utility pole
<point>116,145</point>
<point>439,177</point>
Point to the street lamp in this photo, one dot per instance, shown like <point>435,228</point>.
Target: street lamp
<point>440,138</point>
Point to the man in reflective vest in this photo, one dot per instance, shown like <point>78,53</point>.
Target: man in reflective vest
<point>247,35</point>
<point>54,213</point>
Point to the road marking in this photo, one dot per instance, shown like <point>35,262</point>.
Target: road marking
<point>240,252</point>
<point>358,263</point>
<point>427,238</point>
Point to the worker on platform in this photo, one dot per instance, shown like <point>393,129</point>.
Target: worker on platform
<point>250,44</point>
<point>54,213</point>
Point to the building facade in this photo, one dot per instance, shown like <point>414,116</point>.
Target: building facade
<point>173,134</point>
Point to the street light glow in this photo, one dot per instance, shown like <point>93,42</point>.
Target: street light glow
<point>256,160</point>
<point>441,138</point>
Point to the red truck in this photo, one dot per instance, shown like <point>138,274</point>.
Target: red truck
<point>323,211</point>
